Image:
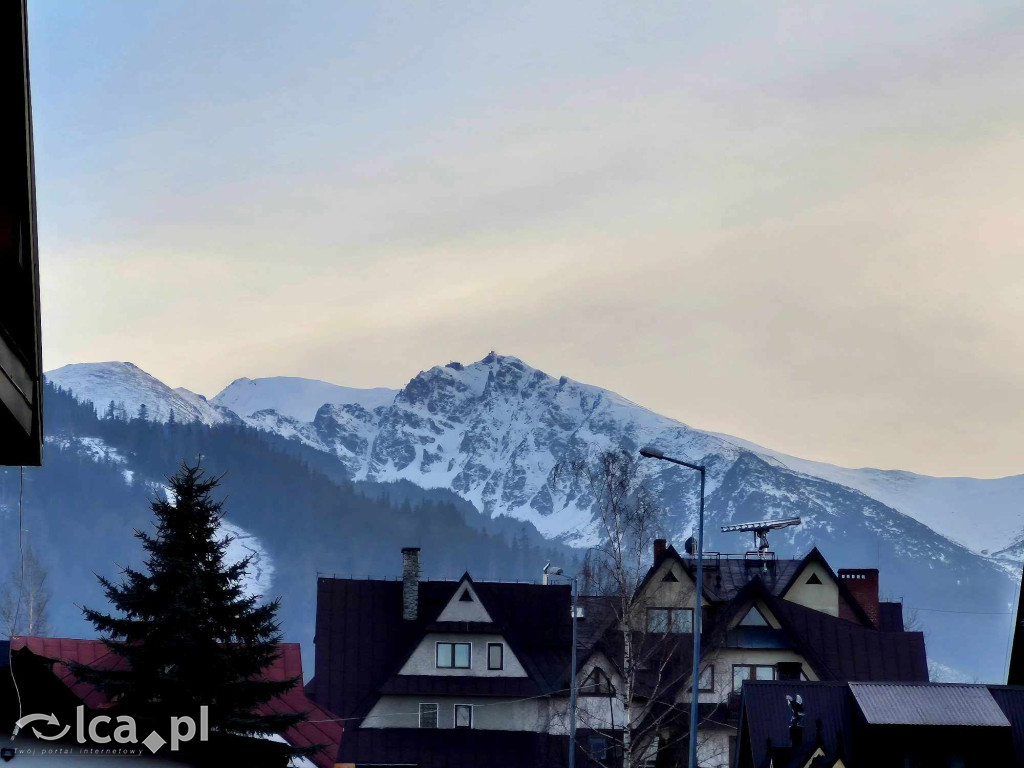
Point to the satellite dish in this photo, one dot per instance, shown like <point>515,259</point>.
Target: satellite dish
<point>691,546</point>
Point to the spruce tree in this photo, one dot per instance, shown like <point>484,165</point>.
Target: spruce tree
<point>190,634</point>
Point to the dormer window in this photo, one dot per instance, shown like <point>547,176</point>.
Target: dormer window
<point>674,621</point>
<point>597,684</point>
<point>495,655</point>
<point>454,655</point>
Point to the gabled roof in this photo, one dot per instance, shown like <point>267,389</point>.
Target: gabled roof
<point>362,641</point>
<point>843,650</point>
<point>320,728</point>
<point>725,577</point>
<point>835,648</point>
<point>815,556</point>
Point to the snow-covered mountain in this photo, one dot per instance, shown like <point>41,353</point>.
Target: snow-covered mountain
<point>128,388</point>
<point>494,431</point>
<point>296,398</point>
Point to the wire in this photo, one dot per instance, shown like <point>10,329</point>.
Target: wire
<point>21,588</point>
<point>968,613</point>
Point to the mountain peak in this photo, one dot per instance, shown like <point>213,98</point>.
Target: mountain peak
<point>129,387</point>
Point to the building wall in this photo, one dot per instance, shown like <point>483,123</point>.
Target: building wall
<point>724,659</point>
<point>822,597</point>
<point>489,713</point>
<point>423,660</point>
<point>713,747</point>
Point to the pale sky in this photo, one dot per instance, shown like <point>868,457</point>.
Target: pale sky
<point>797,223</point>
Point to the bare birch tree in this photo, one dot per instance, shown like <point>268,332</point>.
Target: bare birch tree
<point>655,661</point>
<point>25,598</point>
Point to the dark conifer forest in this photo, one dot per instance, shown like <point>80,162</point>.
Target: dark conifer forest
<point>80,509</point>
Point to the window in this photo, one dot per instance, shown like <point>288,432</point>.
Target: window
<point>466,597</point>
<point>454,655</point>
<point>463,715</point>
<point>671,620</point>
<point>495,656</point>
<point>754,618</point>
<point>597,746</point>
<point>597,684</point>
<point>428,715</point>
<point>813,580</point>
<point>707,679</point>
<point>741,672</point>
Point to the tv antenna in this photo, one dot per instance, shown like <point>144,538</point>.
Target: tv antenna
<point>760,530</point>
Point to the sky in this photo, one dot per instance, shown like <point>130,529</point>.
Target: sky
<point>796,223</point>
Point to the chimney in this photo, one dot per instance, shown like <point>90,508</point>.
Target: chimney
<point>863,585</point>
<point>659,549</point>
<point>410,583</point>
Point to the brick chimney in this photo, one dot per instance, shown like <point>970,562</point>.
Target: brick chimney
<point>410,583</point>
<point>659,549</point>
<point>863,585</point>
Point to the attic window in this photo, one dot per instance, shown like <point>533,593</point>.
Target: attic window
<point>597,684</point>
<point>814,579</point>
<point>454,655</point>
<point>670,577</point>
<point>466,597</point>
<point>754,618</point>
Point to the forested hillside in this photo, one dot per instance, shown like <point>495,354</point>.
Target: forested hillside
<point>79,510</point>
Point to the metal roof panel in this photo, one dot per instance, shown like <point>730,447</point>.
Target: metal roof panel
<point>917,704</point>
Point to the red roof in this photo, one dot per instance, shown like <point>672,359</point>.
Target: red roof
<point>320,726</point>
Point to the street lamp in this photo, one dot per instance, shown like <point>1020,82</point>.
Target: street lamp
<point>548,572</point>
<point>650,452</point>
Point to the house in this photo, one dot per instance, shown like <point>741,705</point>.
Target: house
<point>321,728</point>
<point>794,724</point>
<point>444,673</point>
<point>468,673</point>
<point>21,373</point>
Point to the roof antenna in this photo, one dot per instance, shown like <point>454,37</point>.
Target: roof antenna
<point>760,530</point>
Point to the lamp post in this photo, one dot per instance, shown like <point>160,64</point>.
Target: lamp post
<point>650,452</point>
<point>548,571</point>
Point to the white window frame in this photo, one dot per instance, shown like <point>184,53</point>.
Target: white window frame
<point>501,665</point>
<point>453,644</point>
<point>455,717</point>
<point>437,715</point>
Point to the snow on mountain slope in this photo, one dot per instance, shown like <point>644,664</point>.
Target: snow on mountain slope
<point>296,398</point>
<point>129,387</point>
<point>983,515</point>
<point>494,430</point>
